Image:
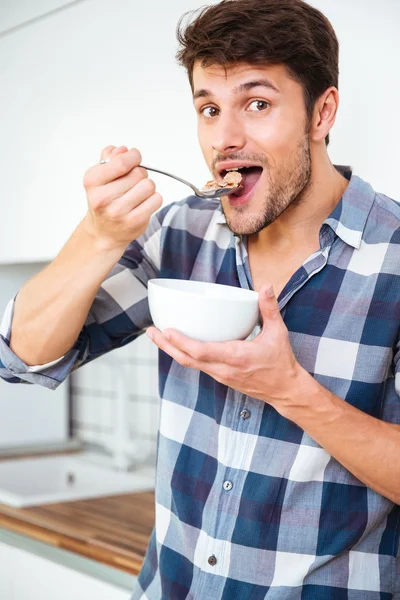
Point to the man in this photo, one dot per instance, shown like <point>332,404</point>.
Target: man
<point>277,470</point>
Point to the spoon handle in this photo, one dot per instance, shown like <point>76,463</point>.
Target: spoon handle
<point>170,175</point>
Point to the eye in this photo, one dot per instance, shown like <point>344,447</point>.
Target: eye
<point>262,104</point>
<point>210,108</point>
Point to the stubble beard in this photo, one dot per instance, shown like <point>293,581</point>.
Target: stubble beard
<point>288,188</point>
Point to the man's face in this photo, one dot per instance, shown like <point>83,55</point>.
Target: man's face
<point>256,125</point>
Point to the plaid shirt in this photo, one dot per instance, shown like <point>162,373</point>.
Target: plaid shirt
<point>248,506</point>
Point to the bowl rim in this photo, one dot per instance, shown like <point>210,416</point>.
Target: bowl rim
<point>253,293</point>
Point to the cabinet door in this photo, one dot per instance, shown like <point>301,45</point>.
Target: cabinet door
<point>6,576</point>
<point>29,414</point>
<point>37,578</point>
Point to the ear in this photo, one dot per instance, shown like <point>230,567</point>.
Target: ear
<point>324,115</point>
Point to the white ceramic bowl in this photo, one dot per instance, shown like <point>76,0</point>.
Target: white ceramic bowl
<point>208,312</point>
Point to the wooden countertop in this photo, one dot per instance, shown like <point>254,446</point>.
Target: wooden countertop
<point>113,530</point>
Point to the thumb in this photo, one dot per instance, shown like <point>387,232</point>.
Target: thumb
<point>269,307</point>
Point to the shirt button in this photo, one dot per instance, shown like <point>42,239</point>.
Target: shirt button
<point>245,413</point>
<point>228,485</point>
<point>212,560</point>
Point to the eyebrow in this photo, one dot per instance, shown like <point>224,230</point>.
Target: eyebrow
<point>243,87</point>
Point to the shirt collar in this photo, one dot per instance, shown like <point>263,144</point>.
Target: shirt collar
<point>349,217</point>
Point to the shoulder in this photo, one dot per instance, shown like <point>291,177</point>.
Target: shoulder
<point>389,206</point>
<point>384,221</point>
<point>382,213</point>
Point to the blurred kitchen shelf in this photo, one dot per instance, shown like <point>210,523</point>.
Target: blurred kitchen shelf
<point>71,445</point>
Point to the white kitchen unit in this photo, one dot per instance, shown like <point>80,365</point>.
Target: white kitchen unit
<point>30,569</point>
<point>29,414</point>
<point>42,479</point>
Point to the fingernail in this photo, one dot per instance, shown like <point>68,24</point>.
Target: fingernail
<point>269,292</point>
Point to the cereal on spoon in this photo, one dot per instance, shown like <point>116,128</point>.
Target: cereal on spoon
<point>231,178</point>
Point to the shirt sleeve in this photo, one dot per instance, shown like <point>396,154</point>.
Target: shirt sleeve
<point>118,315</point>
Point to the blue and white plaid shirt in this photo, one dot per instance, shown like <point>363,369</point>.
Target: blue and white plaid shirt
<point>248,506</point>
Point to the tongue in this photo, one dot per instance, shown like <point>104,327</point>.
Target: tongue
<point>249,179</point>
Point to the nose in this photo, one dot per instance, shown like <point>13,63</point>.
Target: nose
<point>228,134</point>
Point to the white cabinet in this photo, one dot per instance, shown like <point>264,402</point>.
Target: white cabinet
<point>6,560</point>
<point>25,575</point>
<point>29,414</point>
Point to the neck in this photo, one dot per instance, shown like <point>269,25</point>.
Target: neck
<point>299,225</point>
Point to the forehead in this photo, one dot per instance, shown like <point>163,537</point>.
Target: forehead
<point>216,78</point>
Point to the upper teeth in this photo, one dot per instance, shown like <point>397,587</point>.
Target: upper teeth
<point>233,169</point>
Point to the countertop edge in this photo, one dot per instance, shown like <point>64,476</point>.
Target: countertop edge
<point>69,559</point>
<point>29,529</point>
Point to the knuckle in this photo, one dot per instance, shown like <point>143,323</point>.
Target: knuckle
<point>226,373</point>
<point>237,357</point>
<point>136,155</point>
<point>122,163</point>
<point>137,175</point>
<point>149,186</point>
<point>88,179</point>
<point>96,205</point>
<point>113,213</point>
<point>198,355</point>
<point>186,362</point>
<point>107,151</point>
<point>98,202</point>
<point>156,201</point>
<point>140,173</point>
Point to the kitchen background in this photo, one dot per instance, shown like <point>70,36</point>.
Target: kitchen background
<point>77,76</point>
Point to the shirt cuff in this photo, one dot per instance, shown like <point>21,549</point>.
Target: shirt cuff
<point>50,374</point>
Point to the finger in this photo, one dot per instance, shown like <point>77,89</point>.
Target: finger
<point>181,357</point>
<point>110,151</point>
<point>143,190</point>
<point>206,352</point>
<point>119,187</point>
<point>219,372</point>
<point>142,213</point>
<point>119,165</point>
<point>268,304</point>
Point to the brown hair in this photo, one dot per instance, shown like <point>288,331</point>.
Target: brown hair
<point>264,32</point>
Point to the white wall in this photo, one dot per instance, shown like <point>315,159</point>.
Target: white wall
<point>102,72</point>
<point>24,12</point>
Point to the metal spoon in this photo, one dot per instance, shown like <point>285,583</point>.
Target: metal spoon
<point>215,193</point>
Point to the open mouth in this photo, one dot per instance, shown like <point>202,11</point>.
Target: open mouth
<point>250,176</point>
